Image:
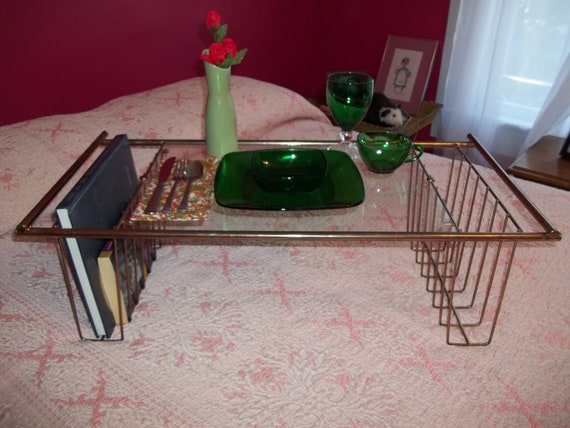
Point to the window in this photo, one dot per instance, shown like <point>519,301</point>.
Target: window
<point>503,58</point>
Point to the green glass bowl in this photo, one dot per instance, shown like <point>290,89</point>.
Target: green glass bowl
<point>289,170</point>
<point>385,151</point>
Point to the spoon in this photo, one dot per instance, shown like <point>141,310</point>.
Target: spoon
<point>192,171</point>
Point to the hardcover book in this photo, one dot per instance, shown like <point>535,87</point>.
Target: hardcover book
<point>123,263</point>
<point>97,201</point>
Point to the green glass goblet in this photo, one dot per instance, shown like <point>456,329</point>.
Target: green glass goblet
<point>349,95</point>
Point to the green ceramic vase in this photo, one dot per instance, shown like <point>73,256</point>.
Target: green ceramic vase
<point>221,126</point>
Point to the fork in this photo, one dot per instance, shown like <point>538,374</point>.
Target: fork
<point>191,171</point>
<point>178,175</point>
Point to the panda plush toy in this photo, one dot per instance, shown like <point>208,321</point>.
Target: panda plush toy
<point>384,112</point>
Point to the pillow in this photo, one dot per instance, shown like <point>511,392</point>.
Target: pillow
<point>263,110</point>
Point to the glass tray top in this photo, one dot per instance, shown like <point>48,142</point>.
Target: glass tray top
<point>435,198</point>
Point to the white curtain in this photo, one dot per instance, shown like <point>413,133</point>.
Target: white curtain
<point>506,73</point>
<point>555,110</point>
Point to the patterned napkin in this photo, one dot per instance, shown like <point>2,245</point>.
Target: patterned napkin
<point>199,202</point>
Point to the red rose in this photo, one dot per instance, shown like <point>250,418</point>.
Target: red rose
<point>213,20</point>
<point>217,54</point>
<point>230,46</point>
<point>223,52</point>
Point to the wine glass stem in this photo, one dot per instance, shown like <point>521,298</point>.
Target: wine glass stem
<point>345,137</point>
<point>347,144</point>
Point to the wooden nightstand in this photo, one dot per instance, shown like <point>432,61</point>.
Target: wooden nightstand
<point>542,163</point>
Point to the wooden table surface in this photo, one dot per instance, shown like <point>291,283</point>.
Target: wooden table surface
<point>542,163</point>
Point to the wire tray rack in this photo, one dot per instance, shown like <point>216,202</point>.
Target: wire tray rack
<point>459,222</point>
<point>467,275</point>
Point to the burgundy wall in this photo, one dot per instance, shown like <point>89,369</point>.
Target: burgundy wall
<point>64,56</point>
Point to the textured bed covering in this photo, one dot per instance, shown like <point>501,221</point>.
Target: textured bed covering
<point>265,336</point>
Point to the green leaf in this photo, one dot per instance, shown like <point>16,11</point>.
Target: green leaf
<point>227,62</point>
<point>239,57</point>
<point>220,33</point>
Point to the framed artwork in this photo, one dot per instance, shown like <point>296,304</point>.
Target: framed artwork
<point>405,70</point>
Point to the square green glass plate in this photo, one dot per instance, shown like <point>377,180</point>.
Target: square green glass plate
<point>236,187</point>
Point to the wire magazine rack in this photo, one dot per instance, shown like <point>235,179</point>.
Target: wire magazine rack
<point>464,221</point>
<point>467,277</point>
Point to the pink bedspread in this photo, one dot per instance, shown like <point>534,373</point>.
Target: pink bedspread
<point>265,336</point>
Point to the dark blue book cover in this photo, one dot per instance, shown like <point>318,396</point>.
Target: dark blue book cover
<point>97,201</point>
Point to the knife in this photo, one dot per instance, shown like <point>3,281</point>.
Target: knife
<point>162,178</point>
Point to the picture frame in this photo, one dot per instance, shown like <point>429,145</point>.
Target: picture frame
<point>405,70</point>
